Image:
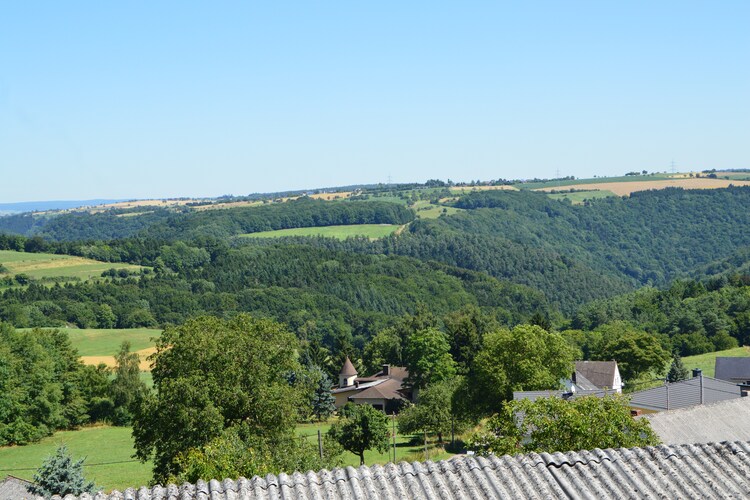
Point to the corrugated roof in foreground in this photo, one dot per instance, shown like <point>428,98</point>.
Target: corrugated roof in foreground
<point>722,421</point>
<point>719,470</point>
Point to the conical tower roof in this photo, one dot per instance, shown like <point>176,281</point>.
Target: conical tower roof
<point>348,369</point>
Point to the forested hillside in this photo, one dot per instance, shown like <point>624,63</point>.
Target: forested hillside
<point>573,254</point>
<point>322,294</point>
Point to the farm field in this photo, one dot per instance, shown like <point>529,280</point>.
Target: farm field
<point>578,197</point>
<point>625,188</point>
<point>45,265</point>
<point>707,361</point>
<point>340,232</point>
<point>112,446</point>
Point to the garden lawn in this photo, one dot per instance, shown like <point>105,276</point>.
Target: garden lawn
<point>110,446</point>
<point>405,451</point>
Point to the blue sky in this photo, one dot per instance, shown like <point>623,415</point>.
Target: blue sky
<point>163,99</point>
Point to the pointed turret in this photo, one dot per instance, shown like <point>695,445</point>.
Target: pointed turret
<point>348,374</point>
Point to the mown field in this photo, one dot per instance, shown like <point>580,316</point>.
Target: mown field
<point>340,232</point>
<point>45,265</point>
<point>707,362</point>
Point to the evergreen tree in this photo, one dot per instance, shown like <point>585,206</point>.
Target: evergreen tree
<point>323,401</point>
<point>60,475</point>
<point>677,371</point>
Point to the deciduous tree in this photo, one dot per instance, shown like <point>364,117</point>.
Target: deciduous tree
<point>554,424</point>
<point>211,375</point>
<point>362,428</point>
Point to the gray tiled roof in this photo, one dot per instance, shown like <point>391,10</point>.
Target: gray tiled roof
<point>684,394</point>
<point>722,421</point>
<point>687,471</point>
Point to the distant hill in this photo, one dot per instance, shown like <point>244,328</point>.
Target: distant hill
<point>40,206</point>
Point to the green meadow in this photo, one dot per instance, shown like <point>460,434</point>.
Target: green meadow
<point>340,232</point>
<point>45,265</point>
<point>103,342</point>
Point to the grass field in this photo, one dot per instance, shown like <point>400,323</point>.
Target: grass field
<point>45,265</point>
<point>340,232</point>
<point>578,197</point>
<point>100,445</point>
<point>707,362</point>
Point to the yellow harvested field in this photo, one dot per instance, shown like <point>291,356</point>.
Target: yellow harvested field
<point>233,204</point>
<point>141,203</point>
<point>625,188</point>
<point>331,196</point>
<point>145,364</point>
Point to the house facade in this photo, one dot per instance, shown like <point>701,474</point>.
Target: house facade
<point>384,391</point>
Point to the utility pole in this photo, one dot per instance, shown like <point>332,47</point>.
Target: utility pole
<point>320,445</point>
<point>393,434</point>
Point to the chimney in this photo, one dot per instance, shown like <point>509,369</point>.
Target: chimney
<point>697,372</point>
<point>745,389</point>
<point>386,370</point>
